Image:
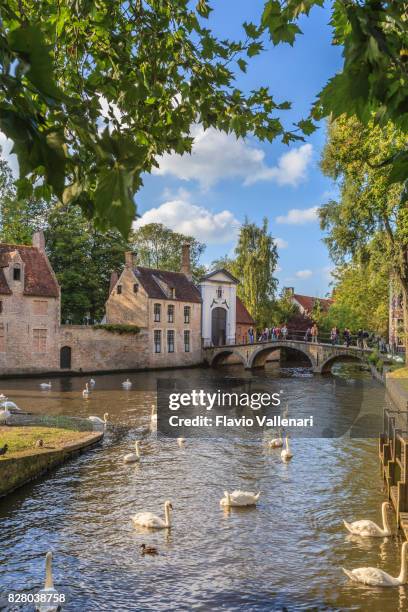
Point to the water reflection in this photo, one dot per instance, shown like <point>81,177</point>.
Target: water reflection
<point>287,551</point>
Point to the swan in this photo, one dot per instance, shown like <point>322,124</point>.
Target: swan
<point>152,521</point>
<point>367,529</point>
<point>153,418</point>
<point>4,416</point>
<point>377,577</point>
<point>96,419</point>
<point>92,382</point>
<point>276,442</point>
<point>239,498</point>
<point>47,385</point>
<point>181,441</point>
<point>127,384</point>
<point>148,550</point>
<point>133,457</point>
<point>86,391</point>
<point>52,604</point>
<point>286,454</point>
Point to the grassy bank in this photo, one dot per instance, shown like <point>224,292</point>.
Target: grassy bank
<point>22,440</point>
<point>401,375</point>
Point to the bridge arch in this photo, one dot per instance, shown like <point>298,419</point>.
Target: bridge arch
<point>259,357</point>
<point>221,356</point>
<point>326,366</point>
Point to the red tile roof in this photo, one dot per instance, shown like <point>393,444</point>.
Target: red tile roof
<point>308,302</point>
<point>38,278</point>
<point>242,315</point>
<point>185,290</point>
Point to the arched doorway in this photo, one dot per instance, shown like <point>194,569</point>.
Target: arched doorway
<point>65,358</point>
<point>218,326</point>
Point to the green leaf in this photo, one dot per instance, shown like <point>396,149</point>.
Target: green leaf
<point>307,126</point>
<point>242,64</point>
<point>203,8</point>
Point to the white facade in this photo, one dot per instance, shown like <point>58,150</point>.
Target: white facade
<point>219,297</point>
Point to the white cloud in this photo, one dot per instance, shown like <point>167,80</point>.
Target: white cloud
<point>297,216</point>
<point>182,216</point>
<point>281,243</point>
<point>217,156</point>
<point>303,274</point>
<point>6,145</point>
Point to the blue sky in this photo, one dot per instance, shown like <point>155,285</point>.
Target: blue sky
<point>211,192</point>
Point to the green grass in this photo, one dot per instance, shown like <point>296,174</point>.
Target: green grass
<point>23,439</point>
<point>401,375</point>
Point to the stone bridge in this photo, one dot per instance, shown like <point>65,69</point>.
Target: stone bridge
<point>321,356</point>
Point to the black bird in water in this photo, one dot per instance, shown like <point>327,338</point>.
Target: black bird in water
<point>4,449</point>
<point>148,550</point>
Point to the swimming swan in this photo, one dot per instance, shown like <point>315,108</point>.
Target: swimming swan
<point>239,498</point>
<point>96,419</point>
<point>86,391</point>
<point>133,457</point>
<point>46,385</point>
<point>286,454</point>
<point>92,382</point>
<point>127,384</point>
<point>377,577</point>
<point>48,590</point>
<point>152,521</point>
<point>276,442</point>
<point>181,442</point>
<point>367,529</point>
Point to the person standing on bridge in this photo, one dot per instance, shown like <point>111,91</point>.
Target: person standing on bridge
<point>365,339</point>
<point>284,331</point>
<point>347,336</point>
<point>315,332</point>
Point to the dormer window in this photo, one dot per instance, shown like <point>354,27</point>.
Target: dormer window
<point>16,273</point>
<point>135,288</point>
<point>172,293</point>
<point>219,292</point>
<point>119,289</point>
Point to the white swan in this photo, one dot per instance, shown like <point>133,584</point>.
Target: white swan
<point>127,384</point>
<point>377,577</point>
<point>367,529</point>
<point>276,442</point>
<point>4,416</point>
<point>153,418</point>
<point>286,454</point>
<point>152,521</point>
<point>86,391</point>
<point>181,441</point>
<point>52,604</point>
<point>96,419</point>
<point>47,385</point>
<point>92,382</point>
<point>133,457</point>
<point>239,498</point>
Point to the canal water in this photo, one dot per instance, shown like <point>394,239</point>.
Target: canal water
<point>285,554</point>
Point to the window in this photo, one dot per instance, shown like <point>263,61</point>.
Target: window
<point>157,313</point>
<point>16,274</point>
<point>157,341</point>
<point>186,314</point>
<point>186,341</point>
<point>219,292</point>
<point>119,289</point>
<point>170,341</point>
<point>1,306</point>
<point>40,340</point>
<point>172,293</point>
<point>135,288</point>
<point>40,307</point>
<point>2,339</point>
<point>170,313</point>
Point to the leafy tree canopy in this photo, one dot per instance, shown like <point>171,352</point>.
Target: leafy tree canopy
<point>157,68</point>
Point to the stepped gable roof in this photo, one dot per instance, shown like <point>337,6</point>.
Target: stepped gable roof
<point>242,315</point>
<point>184,289</point>
<point>308,302</point>
<point>38,278</point>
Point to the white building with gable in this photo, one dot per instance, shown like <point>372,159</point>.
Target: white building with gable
<point>219,301</point>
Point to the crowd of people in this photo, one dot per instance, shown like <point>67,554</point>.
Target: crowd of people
<point>362,339</point>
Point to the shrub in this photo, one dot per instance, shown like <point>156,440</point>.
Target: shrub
<point>116,328</point>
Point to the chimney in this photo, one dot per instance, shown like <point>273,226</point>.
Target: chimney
<point>39,240</point>
<point>130,259</point>
<point>288,291</point>
<point>185,261</point>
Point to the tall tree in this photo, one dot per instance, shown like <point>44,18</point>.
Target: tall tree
<point>254,265</point>
<point>160,247</point>
<point>369,220</point>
